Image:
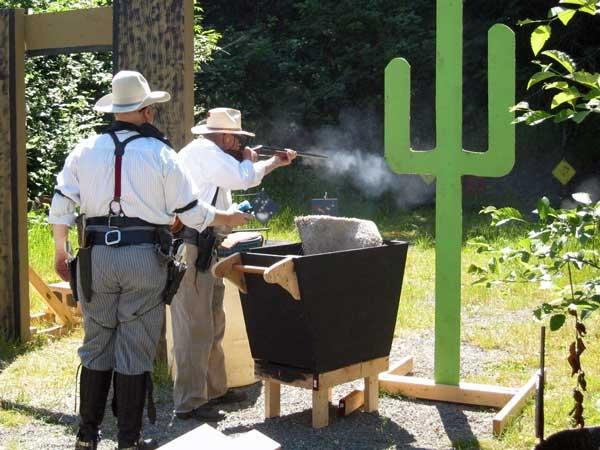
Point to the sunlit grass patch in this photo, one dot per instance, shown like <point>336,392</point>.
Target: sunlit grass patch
<point>12,418</point>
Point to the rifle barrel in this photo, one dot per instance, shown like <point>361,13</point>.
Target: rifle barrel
<point>271,150</point>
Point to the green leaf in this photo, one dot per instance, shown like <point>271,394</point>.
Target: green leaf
<point>533,117</point>
<point>537,77</point>
<point>562,85</point>
<point>557,321</point>
<point>567,96</point>
<point>543,208</point>
<point>539,37</point>
<point>573,2</point>
<point>564,114</point>
<point>580,116</point>
<point>585,78</point>
<point>562,58</point>
<point>521,106</point>
<point>589,9</point>
<point>566,16</point>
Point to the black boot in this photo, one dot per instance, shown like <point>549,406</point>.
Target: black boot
<point>94,387</point>
<point>131,394</point>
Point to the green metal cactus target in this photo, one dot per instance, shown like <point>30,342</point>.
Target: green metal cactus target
<point>448,162</point>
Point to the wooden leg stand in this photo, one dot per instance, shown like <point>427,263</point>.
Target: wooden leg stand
<point>321,384</point>
<point>355,399</point>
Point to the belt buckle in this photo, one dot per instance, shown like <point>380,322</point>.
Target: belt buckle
<point>112,237</point>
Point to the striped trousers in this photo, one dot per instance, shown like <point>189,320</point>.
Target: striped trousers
<point>124,319</point>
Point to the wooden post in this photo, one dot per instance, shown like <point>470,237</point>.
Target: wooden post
<point>371,393</point>
<point>320,408</point>
<point>14,294</point>
<point>156,38</point>
<point>272,399</point>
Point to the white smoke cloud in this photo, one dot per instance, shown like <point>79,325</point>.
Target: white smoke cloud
<point>354,152</point>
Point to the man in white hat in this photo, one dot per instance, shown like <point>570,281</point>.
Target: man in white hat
<point>129,187</point>
<point>218,163</point>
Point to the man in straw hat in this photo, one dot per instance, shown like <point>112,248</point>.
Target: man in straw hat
<point>129,186</point>
<point>218,163</point>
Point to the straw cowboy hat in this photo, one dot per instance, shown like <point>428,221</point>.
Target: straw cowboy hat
<point>130,92</point>
<point>222,120</point>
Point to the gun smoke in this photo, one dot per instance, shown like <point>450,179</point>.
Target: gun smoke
<point>355,154</point>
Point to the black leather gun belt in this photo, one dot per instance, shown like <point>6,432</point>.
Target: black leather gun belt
<point>121,231</point>
<point>119,237</point>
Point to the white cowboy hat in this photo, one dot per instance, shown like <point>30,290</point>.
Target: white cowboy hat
<point>130,92</point>
<point>222,120</point>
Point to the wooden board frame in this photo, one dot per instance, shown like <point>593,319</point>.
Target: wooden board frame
<point>510,400</point>
<point>84,30</point>
<point>95,29</point>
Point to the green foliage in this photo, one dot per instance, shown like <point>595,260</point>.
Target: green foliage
<point>560,242</point>
<point>306,60</point>
<point>575,92</point>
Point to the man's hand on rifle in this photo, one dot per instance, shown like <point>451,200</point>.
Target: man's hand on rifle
<point>285,157</point>
<point>250,154</point>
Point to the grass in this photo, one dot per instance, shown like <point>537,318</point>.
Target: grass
<point>498,318</point>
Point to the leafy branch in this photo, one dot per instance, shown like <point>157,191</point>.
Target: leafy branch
<point>575,92</point>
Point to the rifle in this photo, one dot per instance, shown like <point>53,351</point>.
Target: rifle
<point>270,150</point>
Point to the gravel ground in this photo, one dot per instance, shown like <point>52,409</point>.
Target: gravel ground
<point>400,424</point>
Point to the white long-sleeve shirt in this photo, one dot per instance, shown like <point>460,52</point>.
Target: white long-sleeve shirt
<point>210,167</point>
<point>153,184</point>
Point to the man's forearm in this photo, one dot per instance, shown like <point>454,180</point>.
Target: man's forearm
<point>61,234</point>
<point>270,164</point>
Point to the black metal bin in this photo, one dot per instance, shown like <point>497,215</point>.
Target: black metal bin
<point>346,311</point>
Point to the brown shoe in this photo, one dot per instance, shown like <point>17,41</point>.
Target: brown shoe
<point>204,413</point>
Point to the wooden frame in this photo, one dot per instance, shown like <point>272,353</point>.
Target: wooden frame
<point>394,381</point>
<point>135,30</point>
<point>84,30</point>
<point>321,385</point>
<point>511,401</point>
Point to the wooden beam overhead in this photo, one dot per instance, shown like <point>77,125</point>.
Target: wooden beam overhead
<point>69,32</point>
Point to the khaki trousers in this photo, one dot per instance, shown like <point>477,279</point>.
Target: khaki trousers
<point>198,323</point>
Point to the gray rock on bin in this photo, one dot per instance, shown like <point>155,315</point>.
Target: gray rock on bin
<point>324,234</point>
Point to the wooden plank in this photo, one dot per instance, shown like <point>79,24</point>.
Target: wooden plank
<point>354,372</point>
<point>155,37</point>
<point>466,393</point>
<point>225,269</point>
<point>272,399</point>
<point>402,367</point>
<point>61,311</point>
<point>355,399</point>
<point>514,406</point>
<point>43,316</point>
<point>320,408</point>
<point>371,393</point>
<point>351,402</point>
<point>56,330</point>
<point>69,31</point>
<point>14,295</point>
<point>284,274</point>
